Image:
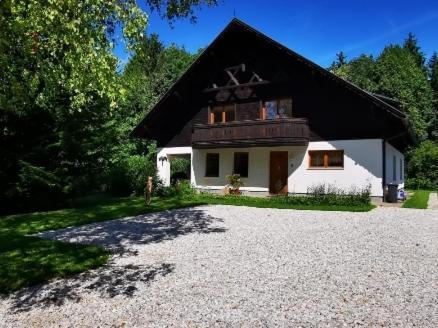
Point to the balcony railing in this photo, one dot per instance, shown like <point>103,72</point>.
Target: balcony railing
<point>276,132</point>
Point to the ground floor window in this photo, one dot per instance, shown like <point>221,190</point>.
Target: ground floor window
<point>326,159</point>
<point>212,165</point>
<point>241,164</point>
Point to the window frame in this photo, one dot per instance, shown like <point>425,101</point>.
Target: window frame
<point>247,163</point>
<point>394,168</point>
<point>222,107</point>
<point>264,111</point>
<point>325,154</point>
<point>207,155</point>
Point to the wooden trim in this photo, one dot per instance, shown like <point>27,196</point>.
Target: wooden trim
<point>210,115</point>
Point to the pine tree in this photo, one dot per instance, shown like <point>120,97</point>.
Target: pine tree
<point>433,72</point>
<point>340,61</point>
<point>433,79</point>
<point>411,44</point>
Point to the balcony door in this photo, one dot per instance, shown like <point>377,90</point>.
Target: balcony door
<point>278,172</point>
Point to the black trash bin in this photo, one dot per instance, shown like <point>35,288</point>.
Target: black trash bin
<point>391,196</point>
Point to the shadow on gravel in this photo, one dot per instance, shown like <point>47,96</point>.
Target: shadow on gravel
<point>108,282</point>
<point>119,236</point>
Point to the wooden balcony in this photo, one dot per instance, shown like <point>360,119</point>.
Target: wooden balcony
<point>257,133</point>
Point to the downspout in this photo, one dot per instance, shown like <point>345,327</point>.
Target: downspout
<point>383,167</point>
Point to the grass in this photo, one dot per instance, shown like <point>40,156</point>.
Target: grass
<point>419,199</point>
<point>27,260</point>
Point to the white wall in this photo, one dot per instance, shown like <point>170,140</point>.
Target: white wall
<point>362,165</point>
<point>392,152</point>
<point>163,168</point>
<point>258,168</point>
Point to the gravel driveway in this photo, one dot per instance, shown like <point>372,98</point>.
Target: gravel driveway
<point>239,266</point>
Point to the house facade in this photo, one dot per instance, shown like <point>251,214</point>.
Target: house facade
<point>249,105</point>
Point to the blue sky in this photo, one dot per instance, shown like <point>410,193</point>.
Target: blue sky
<point>314,29</point>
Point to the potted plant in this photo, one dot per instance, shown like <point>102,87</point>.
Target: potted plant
<point>234,184</point>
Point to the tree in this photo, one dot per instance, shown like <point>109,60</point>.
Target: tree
<point>433,78</point>
<point>422,166</point>
<point>147,76</point>
<point>60,88</point>
<point>360,71</point>
<point>411,45</point>
<point>341,60</point>
<point>400,77</point>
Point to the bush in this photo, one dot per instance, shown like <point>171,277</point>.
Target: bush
<point>181,188</point>
<point>422,168</point>
<point>128,176</point>
<point>330,195</point>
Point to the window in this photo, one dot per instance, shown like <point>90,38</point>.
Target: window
<point>222,114</point>
<point>326,159</point>
<point>212,165</point>
<point>241,164</point>
<point>394,168</point>
<point>401,169</point>
<point>278,108</point>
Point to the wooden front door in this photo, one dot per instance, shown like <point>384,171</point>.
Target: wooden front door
<point>278,172</point>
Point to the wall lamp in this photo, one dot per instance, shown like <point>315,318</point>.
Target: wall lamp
<point>162,159</point>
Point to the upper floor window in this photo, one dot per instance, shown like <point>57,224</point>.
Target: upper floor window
<point>321,159</point>
<point>277,108</point>
<point>222,114</point>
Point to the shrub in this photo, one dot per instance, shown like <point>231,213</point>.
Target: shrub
<point>235,181</point>
<point>422,168</point>
<point>129,175</point>
<point>37,189</point>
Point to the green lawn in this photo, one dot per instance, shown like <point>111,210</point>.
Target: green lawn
<point>25,260</point>
<point>419,199</point>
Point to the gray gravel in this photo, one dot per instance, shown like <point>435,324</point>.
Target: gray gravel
<point>238,266</point>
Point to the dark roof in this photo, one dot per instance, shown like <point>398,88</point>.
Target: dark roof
<point>379,100</point>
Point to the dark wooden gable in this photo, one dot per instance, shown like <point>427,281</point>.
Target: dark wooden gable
<point>245,67</point>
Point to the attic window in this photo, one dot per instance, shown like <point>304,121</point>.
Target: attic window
<point>222,114</point>
<point>277,108</point>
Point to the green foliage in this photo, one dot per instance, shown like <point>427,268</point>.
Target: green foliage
<point>64,107</point>
<point>129,175</point>
<point>361,71</point>
<point>419,199</point>
<point>330,194</point>
<point>284,202</point>
<point>401,78</point>
<point>235,181</point>
<point>179,169</point>
<point>422,168</point>
<point>411,45</point>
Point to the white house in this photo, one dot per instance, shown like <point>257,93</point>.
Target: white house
<point>251,106</point>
